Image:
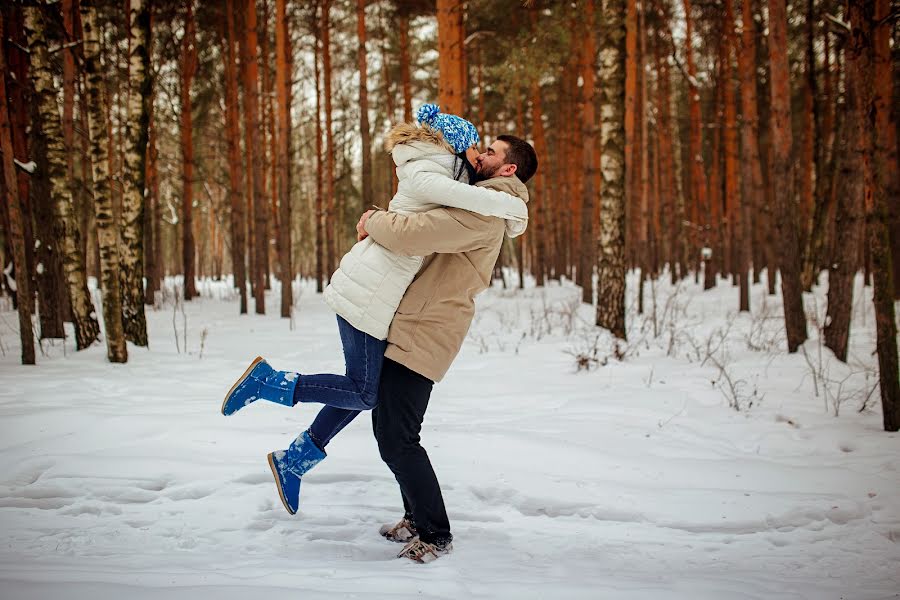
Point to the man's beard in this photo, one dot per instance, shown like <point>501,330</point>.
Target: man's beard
<point>487,172</point>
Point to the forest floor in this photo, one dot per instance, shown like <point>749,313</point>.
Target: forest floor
<point>708,463</point>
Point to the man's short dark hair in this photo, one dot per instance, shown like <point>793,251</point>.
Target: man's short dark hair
<point>521,154</point>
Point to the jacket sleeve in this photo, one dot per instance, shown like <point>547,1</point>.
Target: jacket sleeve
<point>430,186</point>
<point>442,231</point>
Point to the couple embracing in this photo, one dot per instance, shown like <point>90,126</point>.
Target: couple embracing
<point>404,298</point>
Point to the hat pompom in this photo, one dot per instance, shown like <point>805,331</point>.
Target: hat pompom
<point>427,113</point>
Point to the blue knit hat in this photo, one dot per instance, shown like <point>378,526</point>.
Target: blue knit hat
<point>457,132</point>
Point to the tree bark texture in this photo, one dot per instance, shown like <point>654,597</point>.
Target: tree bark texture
<point>188,61</point>
<point>878,210</point>
<point>15,217</point>
<point>791,289</point>
<point>107,228</point>
<point>588,246</point>
<point>611,264</point>
<point>451,56</point>
<point>87,329</point>
<point>236,167</point>
<point>331,219</point>
<point>140,96</point>
<point>365,132</point>
<point>698,184</point>
<point>321,267</point>
<point>853,181</point>
<point>283,93</point>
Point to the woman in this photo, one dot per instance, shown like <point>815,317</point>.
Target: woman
<point>434,168</point>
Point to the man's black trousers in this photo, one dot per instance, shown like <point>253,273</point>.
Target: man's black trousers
<point>397,420</point>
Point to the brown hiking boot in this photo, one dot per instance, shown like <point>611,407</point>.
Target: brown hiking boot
<point>423,552</point>
<point>401,533</point>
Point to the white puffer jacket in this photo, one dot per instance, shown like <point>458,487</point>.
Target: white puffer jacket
<point>371,280</point>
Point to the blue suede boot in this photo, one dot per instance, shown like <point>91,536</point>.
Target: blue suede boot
<point>288,466</point>
<point>260,382</point>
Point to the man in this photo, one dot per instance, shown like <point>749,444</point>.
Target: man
<point>428,330</point>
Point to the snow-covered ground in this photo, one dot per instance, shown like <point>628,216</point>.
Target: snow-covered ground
<point>627,479</point>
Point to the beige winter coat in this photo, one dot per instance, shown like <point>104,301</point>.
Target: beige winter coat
<point>460,250</point>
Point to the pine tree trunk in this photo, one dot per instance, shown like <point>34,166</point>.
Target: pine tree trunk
<point>51,290</point>
<point>403,27</point>
<point>808,151</point>
<point>365,134</point>
<point>140,95</point>
<point>283,92</point>
<point>611,264</point>
<point>87,328</point>
<point>751,170</point>
<point>789,250</point>
<point>632,131</point>
<point>321,267</point>
<point>734,218</point>
<point>255,154</point>
<point>587,250</point>
<point>268,143</point>
<point>23,141</point>
<point>107,231</point>
<point>451,56</point>
<point>540,210</point>
<point>188,69</point>
<point>233,134</point>
<point>151,233</point>
<point>884,191</point>
<point>698,189</point>
<point>15,217</point>
<point>332,218</point>
<point>668,185</point>
<point>713,210</point>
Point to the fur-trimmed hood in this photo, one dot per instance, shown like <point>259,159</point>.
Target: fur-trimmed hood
<point>407,133</point>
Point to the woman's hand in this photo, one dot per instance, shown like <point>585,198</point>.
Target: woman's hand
<point>361,233</point>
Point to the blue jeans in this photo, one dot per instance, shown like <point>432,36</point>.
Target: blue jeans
<point>344,396</point>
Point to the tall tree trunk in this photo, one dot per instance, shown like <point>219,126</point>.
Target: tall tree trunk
<point>107,229</point>
<point>403,26</point>
<point>587,251</point>
<point>632,125</point>
<point>809,149</point>
<point>540,209</point>
<point>611,265</point>
<point>451,56</point>
<point>332,216</point>
<point>365,133</point>
<point>283,92</point>
<point>791,289</point>
<point>140,95</point>
<point>698,188</point>
<point>823,209</point>
<point>321,256</point>
<point>878,211</point>
<point>87,328</point>
<point>188,69</point>
<point>254,155</point>
<point>14,215</point>
<point>152,265</point>
<point>51,290</point>
<point>48,275</point>
<point>269,143</point>
<point>233,134</point>
<point>733,203</point>
<point>751,170</point>
<point>19,93</point>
